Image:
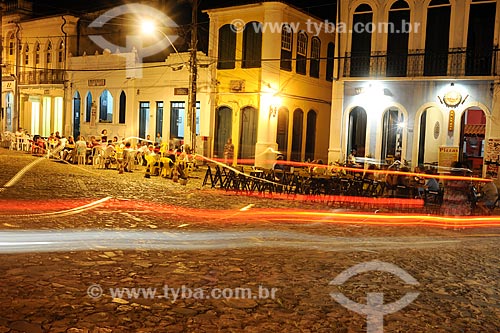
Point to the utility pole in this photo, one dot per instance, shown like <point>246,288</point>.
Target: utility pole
<point>193,76</point>
<point>2,117</point>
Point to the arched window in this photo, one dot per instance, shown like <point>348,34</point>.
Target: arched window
<point>49,53</point>
<point>37,54</point>
<point>315,56</point>
<point>26,54</point>
<point>227,47</point>
<point>361,42</point>
<point>311,135</point>
<point>282,130</point>
<point>60,52</point>
<point>12,44</point>
<point>437,38</point>
<point>286,47</point>
<point>301,64</point>
<point>123,108</point>
<point>330,54</point>
<point>252,45</point>
<point>480,38</point>
<point>88,107</point>
<point>297,129</point>
<point>106,107</point>
<point>397,39</point>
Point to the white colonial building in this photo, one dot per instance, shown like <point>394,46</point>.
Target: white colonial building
<point>118,93</point>
<point>33,68</point>
<point>430,83</point>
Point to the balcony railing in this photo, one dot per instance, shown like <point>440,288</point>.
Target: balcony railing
<point>45,76</point>
<point>417,63</point>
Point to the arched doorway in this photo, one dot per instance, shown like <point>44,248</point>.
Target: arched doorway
<point>392,135</point>
<point>76,114</point>
<point>310,135</point>
<point>223,129</point>
<point>472,139</point>
<point>356,136</point>
<point>430,136</point>
<point>298,126</point>
<point>282,131</point>
<point>248,133</point>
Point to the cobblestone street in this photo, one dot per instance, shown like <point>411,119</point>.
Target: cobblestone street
<point>72,238</point>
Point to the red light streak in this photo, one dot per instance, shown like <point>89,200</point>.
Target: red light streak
<point>260,215</point>
<point>37,206</point>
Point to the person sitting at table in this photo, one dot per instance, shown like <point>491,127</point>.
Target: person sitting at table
<point>370,174</point>
<point>128,157</point>
<point>67,153</point>
<point>427,184</point>
<point>351,159</point>
<point>317,170</point>
<point>81,149</point>
<point>39,145</point>
<point>403,179</point>
<point>142,151</point>
<point>489,192</point>
<point>109,154</point>
<point>279,165</point>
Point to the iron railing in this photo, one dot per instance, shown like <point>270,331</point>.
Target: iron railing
<point>44,76</point>
<point>418,63</point>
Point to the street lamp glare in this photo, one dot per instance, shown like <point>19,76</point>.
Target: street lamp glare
<point>148,27</point>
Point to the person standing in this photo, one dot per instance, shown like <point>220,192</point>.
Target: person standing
<point>104,136</point>
<point>229,152</point>
<point>158,139</point>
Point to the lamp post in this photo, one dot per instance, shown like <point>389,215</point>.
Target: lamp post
<point>148,27</point>
<point>193,75</point>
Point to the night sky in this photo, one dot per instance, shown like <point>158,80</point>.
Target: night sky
<point>179,10</point>
<point>322,8</point>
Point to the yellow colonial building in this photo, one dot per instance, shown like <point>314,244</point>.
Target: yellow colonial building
<point>272,82</point>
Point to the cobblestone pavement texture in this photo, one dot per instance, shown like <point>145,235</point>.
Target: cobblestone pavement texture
<point>457,270</point>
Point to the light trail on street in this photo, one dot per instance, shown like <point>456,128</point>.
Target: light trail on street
<point>98,240</point>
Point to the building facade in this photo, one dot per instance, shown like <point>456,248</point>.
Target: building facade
<point>272,83</point>
<point>33,72</point>
<point>413,78</point>
<point>130,99</point>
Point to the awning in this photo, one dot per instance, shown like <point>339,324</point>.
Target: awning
<point>474,129</point>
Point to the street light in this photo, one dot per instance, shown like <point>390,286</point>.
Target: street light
<point>149,27</point>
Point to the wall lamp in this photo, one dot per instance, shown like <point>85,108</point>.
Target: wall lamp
<point>274,106</point>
